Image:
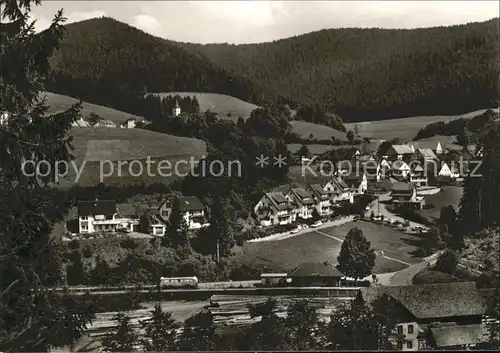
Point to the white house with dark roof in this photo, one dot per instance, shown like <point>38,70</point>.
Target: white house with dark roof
<point>406,194</point>
<point>130,123</point>
<point>323,202</point>
<point>192,210</point>
<point>303,200</point>
<point>438,316</point>
<point>356,179</point>
<point>418,175</point>
<point>275,209</point>
<point>315,274</point>
<point>447,171</point>
<point>105,123</point>
<point>80,122</point>
<point>339,191</point>
<point>97,216</point>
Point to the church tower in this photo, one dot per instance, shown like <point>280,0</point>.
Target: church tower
<point>177,109</point>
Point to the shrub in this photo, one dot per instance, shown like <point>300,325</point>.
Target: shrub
<point>129,244</point>
<point>447,262</point>
<point>87,253</point>
<point>74,244</point>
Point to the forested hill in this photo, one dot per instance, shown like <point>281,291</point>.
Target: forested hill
<point>104,61</point>
<point>372,74</point>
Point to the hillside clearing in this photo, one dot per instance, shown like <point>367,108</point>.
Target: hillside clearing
<point>94,146</point>
<point>404,128</point>
<point>450,195</point>
<point>320,132</point>
<point>58,103</point>
<point>221,104</point>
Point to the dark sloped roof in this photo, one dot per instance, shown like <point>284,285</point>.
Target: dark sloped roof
<point>402,149</point>
<point>188,203</point>
<point>455,335</point>
<point>98,207</point>
<point>304,197</point>
<point>279,200</point>
<point>433,300</point>
<point>318,190</point>
<point>322,269</point>
<point>398,187</point>
<point>399,164</point>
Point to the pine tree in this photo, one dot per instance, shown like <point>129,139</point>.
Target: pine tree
<point>177,227</point>
<point>122,338</point>
<point>160,333</point>
<point>198,333</point>
<point>220,229</point>
<point>356,258</point>
<point>32,318</point>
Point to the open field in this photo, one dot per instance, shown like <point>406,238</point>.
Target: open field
<point>317,247</point>
<point>221,104</point>
<point>404,128</point>
<point>319,132</point>
<point>431,142</point>
<point>94,146</point>
<point>304,176</point>
<point>58,103</point>
<point>315,149</point>
<point>450,195</point>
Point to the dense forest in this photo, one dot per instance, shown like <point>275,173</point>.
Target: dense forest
<point>359,74</point>
<point>107,62</point>
<point>373,74</point>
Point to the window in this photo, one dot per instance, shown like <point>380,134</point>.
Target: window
<point>84,218</point>
<point>164,213</point>
<point>410,328</point>
<point>409,344</point>
<point>400,330</point>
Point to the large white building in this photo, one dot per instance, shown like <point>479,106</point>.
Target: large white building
<point>192,210</point>
<point>98,216</point>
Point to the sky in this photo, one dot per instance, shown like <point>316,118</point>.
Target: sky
<point>262,21</point>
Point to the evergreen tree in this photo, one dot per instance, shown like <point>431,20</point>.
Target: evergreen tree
<point>493,313</point>
<point>304,152</point>
<point>122,338</point>
<point>160,331</point>
<point>315,215</point>
<point>32,318</point>
<point>177,227</point>
<point>220,229</point>
<point>350,136</point>
<point>447,262</point>
<point>356,258</point>
<point>270,332</point>
<point>302,323</point>
<point>198,333</point>
<point>75,272</point>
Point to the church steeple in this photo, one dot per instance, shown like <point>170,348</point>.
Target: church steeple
<point>177,109</point>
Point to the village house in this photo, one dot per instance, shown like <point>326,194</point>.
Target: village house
<point>356,180</point>
<point>439,149</point>
<point>418,176</point>
<point>426,154</point>
<point>435,316</point>
<point>151,223</point>
<point>338,191</point>
<point>105,123</point>
<point>406,194</point>
<point>303,201</point>
<point>400,152</point>
<point>400,170</point>
<point>372,170</point>
<point>322,200</point>
<point>191,208</point>
<point>97,216</point>
<point>129,124</point>
<point>80,122</point>
<point>275,209</point>
<point>447,171</point>
<point>4,118</point>
<point>315,274</point>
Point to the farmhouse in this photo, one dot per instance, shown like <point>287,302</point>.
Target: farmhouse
<point>191,208</point>
<point>426,154</point>
<point>447,171</point>
<point>400,170</point>
<point>434,315</point>
<point>322,200</point>
<point>105,123</point>
<point>310,274</point>
<point>372,170</point>
<point>151,223</point>
<point>406,194</point>
<point>97,216</point>
<point>401,152</point>
<point>275,209</point>
<point>177,109</point>
<point>303,200</point>
<point>338,191</point>
<point>129,124</point>
<point>80,122</point>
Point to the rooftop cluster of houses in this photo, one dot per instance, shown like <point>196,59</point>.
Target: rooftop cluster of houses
<point>102,216</point>
<point>130,123</point>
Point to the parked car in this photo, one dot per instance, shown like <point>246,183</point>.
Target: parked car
<point>377,219</point>
<point>304,226</point>
<point>316,224</point>
<point>296,230</point>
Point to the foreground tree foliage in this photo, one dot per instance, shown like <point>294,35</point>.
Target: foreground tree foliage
<point>356,258</point>
<point>32,318</point>
<point>123,338</point>
<point>160,331</point>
